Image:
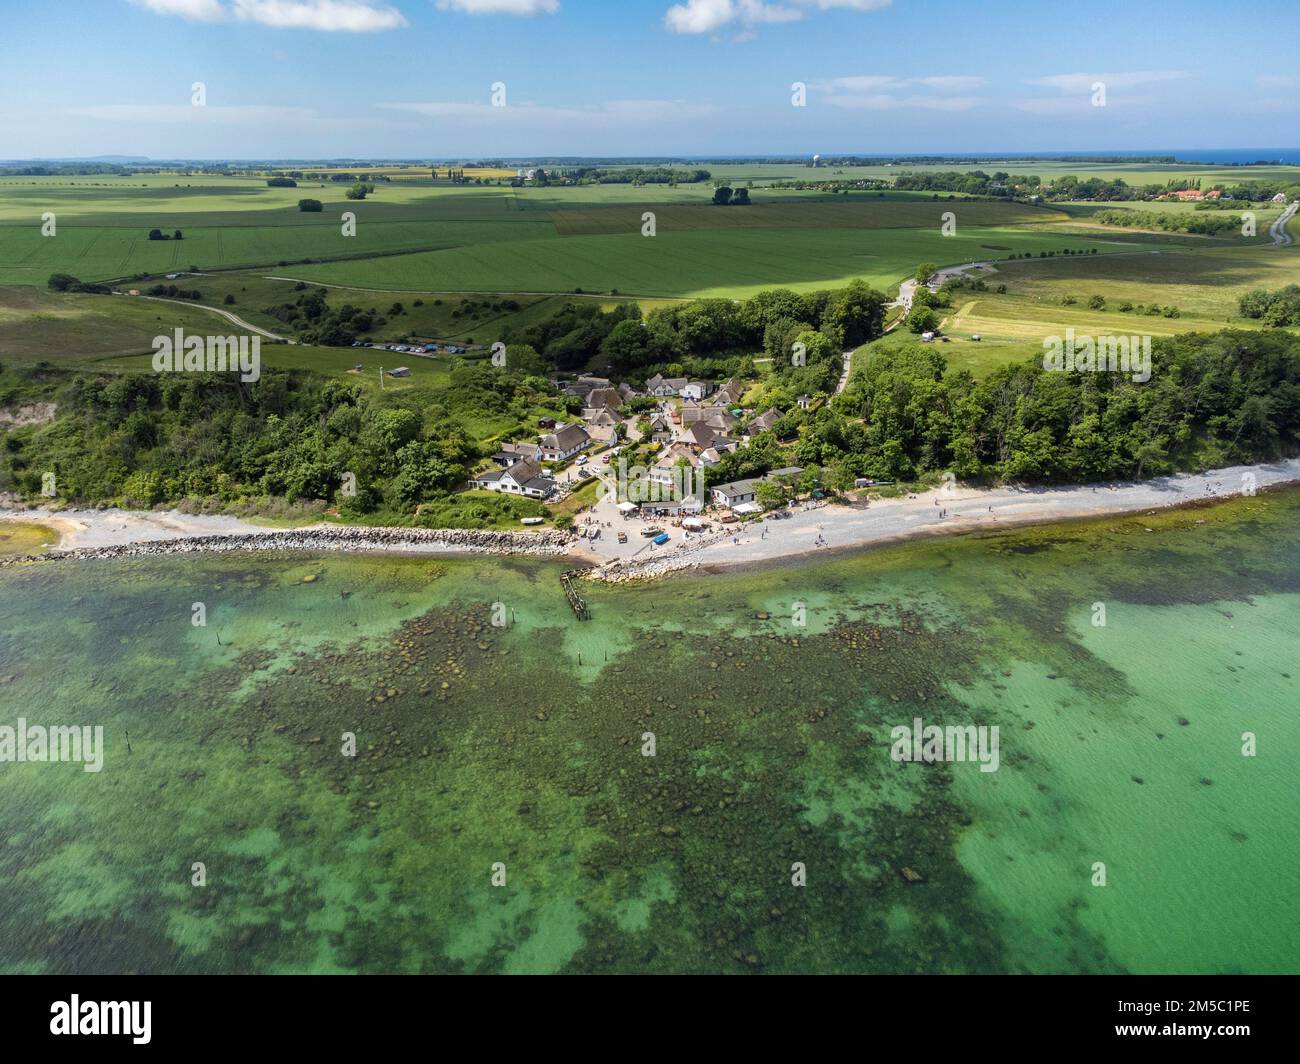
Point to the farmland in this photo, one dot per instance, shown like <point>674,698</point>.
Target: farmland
<point>466,261</point>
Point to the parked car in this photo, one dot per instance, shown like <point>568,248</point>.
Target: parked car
<point>622,537</point>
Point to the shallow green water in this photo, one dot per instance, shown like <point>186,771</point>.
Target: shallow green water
<point>522,747</point>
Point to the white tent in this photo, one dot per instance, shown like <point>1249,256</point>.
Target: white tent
<point>627,507</point>
<point>747,508</point>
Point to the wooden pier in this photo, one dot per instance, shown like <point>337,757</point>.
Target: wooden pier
<point>569,581</point>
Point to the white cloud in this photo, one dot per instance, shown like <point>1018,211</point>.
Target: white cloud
<point>194,10</point>
<point>1278,81</point>
<point>330,16</point>
<point>1083,83</point>
<point>500,7</point>
<point>706,16</point>
<point>951,83</point>
<point>865,82</point>
<point>880,92</point>
<point>614,114</point>
<point>886,102</point>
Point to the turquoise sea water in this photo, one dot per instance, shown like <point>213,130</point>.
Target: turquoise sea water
<point>500,814</point>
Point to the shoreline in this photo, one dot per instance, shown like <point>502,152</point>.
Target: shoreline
<point>833,531</point>
<point>805,533</point>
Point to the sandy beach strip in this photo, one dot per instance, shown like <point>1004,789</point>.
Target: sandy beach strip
<point>806,532</point>
<point>955,510</point>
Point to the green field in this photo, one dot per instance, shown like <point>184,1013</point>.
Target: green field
<point>462,251</point>
<point>730,262</point>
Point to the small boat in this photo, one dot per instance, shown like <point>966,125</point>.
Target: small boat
<point>534,520</point>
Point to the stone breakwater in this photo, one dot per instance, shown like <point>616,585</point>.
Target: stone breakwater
<point>392,540</point>
<point>682,557</point>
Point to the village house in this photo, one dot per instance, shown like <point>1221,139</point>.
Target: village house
<point>723,420</point>
<point>699,435</point>
<point>662,471</point>
<point>764,422</point>
<point>563,443</point>
<point>603,427</point>
<point>704,436</point>
<point>510,453</point>
<point>696,390</point>
<point>665,387</point>
<point>738,493</point>
<point>729,394</point>
<point>522,478</point>
<point>600,399</point>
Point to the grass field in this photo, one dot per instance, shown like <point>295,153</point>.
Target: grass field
<point>1205,285</point>
<point>37,325</point>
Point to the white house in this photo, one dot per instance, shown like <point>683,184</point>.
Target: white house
<point>734,494</point>
<point>564,443</point>
<point>664,387</point>
<point>696,390</point>
<point>522,478</point>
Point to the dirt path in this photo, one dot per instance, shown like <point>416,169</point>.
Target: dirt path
<point>1278,231</point>
<point>234,319</point>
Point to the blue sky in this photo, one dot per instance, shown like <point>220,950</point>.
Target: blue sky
<point>413,78</point>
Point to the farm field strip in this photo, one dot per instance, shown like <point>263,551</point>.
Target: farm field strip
<point>698,262</point>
